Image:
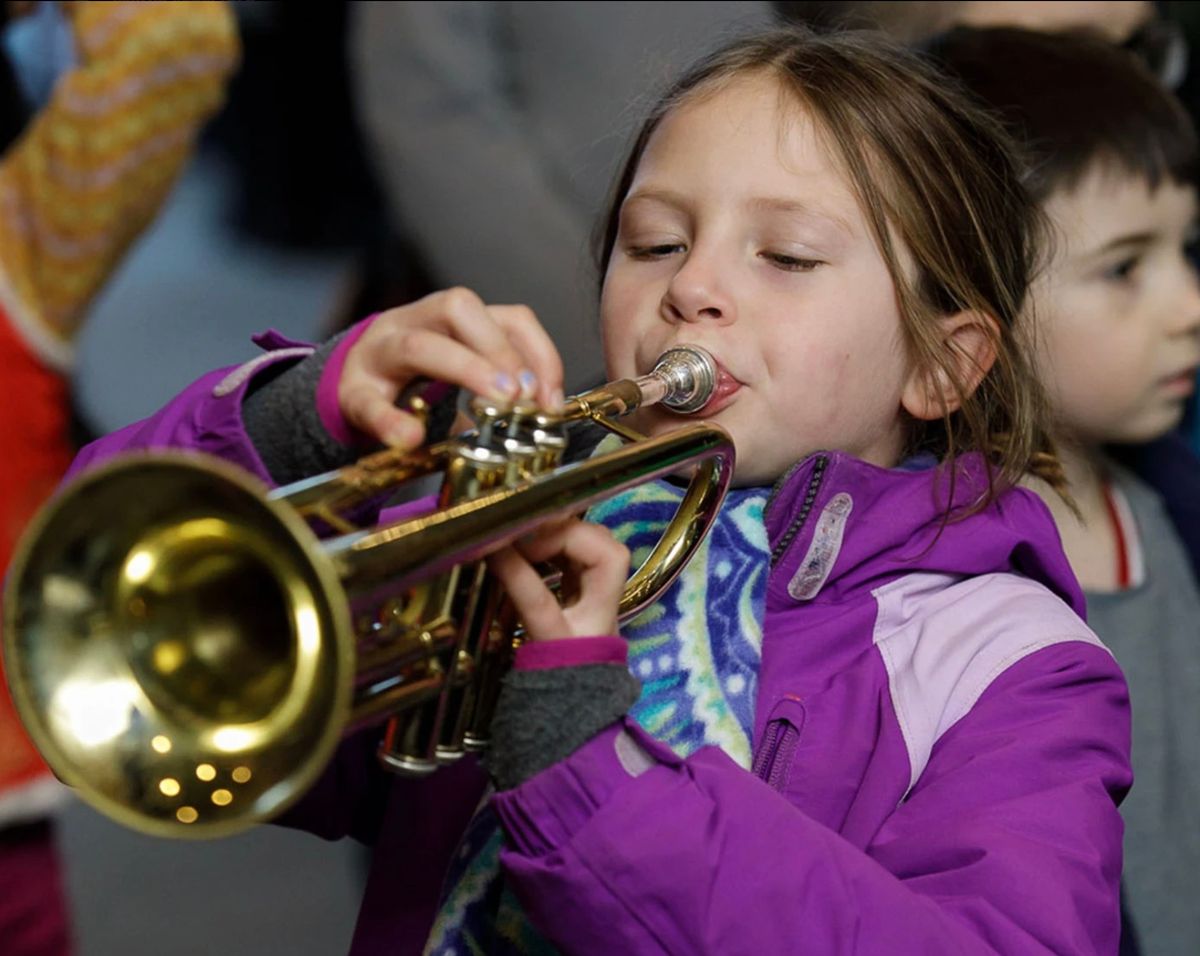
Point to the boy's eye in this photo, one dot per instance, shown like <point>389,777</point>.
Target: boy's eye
<point>790,263</point>
<point>1123,270</point>
<point>1191,248</point>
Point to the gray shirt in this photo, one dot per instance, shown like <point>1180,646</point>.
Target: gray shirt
<point>1153,629</point>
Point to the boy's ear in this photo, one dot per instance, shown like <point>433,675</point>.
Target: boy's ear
<point>969,346</point>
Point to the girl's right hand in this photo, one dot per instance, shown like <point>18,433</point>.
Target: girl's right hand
<point>595,566</point>
<point>498,351</point>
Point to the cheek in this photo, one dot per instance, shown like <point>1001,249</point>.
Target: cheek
<point>869,363</point>
<point>1096,356</point>
<point>616,332</point>
<point>840,383</point>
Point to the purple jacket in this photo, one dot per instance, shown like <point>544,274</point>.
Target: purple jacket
<point>939,748</point>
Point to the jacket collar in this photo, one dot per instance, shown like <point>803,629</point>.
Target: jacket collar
<point>837,525</point>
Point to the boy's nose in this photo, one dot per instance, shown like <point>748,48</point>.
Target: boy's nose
<point>1186,316</point>
<point>696,294</point>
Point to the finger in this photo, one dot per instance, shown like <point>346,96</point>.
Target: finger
<point>545,541</point>
<point>399,357</point>
<point>594,559</point>
<point>462,314</point>
<point>453,315</point>
<point>536,347</point>
<point>601,563</point>
<point>370,411</point>
<point>537,606</point>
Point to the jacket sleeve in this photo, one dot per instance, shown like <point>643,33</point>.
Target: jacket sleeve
<point>1010,842</point>
<point>205,417</point>
<point>97,162</point>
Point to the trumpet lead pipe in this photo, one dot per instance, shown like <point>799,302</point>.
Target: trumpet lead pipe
<point>684,379</point>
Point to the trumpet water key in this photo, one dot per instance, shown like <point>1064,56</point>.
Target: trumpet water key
<point>187,652</point>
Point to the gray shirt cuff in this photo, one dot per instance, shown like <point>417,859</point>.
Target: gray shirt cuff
<point>544,716</point>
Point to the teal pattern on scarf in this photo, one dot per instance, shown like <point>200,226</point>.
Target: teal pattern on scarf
<point>696,651</point>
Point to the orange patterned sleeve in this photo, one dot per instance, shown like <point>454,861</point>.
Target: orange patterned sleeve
<point>97,162</point>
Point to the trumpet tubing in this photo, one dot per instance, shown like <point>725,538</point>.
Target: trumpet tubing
<point>187,652</point>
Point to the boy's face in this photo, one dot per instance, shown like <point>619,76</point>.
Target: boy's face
<point>740,235</point>
<point>1118,311</point>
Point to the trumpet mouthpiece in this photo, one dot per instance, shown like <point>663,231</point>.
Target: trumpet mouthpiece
<point>689,375</point>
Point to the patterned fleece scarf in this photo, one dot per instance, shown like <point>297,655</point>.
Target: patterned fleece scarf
<point>696,651</point>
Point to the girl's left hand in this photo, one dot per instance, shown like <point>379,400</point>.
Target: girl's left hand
<point>595,568</point>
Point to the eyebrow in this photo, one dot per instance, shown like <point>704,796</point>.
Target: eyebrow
<point>1133,240</point>
<point>796,208</point>
<point>793,207</point>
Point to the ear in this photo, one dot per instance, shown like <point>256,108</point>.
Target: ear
<point>968,342</point>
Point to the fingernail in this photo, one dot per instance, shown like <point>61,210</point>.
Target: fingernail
<point>528,383</point>
<point>506,385</point>
<point>400,436</point>
<point>557,400</point>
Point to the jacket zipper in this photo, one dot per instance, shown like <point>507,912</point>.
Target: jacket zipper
<point>810,495</point>
<point>775,756</point>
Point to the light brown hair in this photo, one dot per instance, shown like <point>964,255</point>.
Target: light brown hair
<point>935,177</point>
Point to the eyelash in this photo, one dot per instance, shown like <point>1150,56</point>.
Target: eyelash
<point>791,263</point>
<point>784,262</point>
<point>654,252</point>
<point>1123,270</point>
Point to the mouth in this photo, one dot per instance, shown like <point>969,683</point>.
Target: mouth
<point>1181,384</point>
<point>724,393</point>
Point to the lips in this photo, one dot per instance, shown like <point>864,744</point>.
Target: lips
<point>724,394</point>
<point>1181,384</point>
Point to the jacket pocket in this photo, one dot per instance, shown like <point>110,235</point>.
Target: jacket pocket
<point>777,750</point>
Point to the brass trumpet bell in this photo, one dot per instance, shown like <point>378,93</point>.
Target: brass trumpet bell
<point>187,652</point>
<point>173,648</point>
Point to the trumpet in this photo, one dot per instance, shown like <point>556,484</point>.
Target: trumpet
<point>187,651</point>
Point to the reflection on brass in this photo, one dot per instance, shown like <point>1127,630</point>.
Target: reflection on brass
<point>166,615</point>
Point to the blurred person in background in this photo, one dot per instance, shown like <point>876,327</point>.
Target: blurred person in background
<point>80,179</point>
<point>1154,33</point>
<point>1112,158</point>
<point>482,115</point>
<point>912,21</point>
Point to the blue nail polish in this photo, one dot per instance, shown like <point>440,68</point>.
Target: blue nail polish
<point>505,384</point>
<point>528,383</point>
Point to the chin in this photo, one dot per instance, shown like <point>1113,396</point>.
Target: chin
<point>1147,428</point>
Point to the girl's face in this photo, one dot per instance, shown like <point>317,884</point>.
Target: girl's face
<point>1119,308</point>
<point>740,235</point>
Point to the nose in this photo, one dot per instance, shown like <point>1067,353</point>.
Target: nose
<point>1186,314</point>
<point>698,292</point>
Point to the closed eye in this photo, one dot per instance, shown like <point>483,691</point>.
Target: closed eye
<point>791,263</point>
<point>657,251</point>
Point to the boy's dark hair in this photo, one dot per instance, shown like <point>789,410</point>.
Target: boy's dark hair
<point>1073,101</point>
